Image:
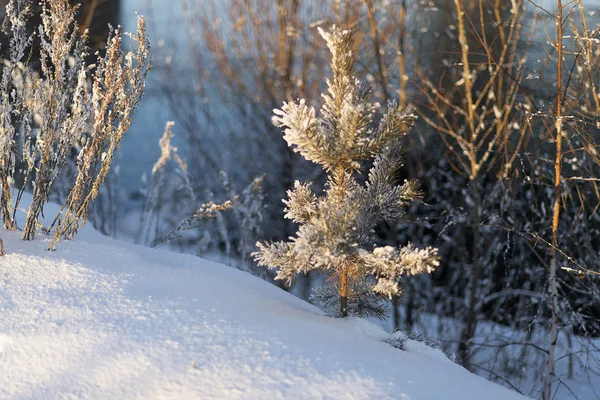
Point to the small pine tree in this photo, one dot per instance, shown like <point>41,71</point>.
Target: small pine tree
<point>335,234</point>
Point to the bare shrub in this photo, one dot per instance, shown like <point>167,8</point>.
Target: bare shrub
<point>62,108</point>
<point>118,85</point>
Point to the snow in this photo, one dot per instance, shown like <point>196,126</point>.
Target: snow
<point>100,318</point>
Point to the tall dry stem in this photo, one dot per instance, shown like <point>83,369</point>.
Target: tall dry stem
<point>550,372</point>
<point>118,84</point>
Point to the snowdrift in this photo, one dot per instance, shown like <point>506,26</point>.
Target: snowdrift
<point>103,319</point>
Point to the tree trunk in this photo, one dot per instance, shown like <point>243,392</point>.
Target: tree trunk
<point>470,325</point>
<point>343,293</point>
<point>550,372</point>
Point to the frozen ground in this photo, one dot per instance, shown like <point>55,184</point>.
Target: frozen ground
<point>104,319</point>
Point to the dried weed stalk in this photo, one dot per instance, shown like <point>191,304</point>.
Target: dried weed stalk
<point>118,85</point>
<point>48,113</point>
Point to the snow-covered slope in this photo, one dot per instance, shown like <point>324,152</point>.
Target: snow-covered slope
<point>104,319</point>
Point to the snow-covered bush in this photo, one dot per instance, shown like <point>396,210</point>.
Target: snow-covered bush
<point>58,107</point>
<point>336,227</point>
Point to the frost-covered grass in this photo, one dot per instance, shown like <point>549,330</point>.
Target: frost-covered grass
<point>103,319</point>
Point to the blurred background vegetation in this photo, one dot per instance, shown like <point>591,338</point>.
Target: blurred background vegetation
<point>484,78</point>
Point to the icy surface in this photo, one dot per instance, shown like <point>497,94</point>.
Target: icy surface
<point>103,319</point>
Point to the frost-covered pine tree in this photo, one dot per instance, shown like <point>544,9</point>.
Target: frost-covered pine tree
<point>336,227</point>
